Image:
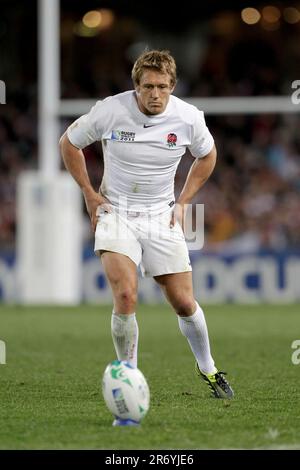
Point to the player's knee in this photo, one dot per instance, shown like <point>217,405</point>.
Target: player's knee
<point>127,298</point>
<point>184,307</point>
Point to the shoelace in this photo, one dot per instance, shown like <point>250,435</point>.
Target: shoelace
<point>221,381</point>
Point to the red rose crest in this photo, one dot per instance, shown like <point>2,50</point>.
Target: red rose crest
<point>171,140</point>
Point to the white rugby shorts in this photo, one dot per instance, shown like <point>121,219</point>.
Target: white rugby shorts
<point>148,241</point>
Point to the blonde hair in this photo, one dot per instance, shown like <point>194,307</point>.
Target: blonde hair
<point>161,61</point>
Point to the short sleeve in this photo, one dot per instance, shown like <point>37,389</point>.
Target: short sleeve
<point>202,140</point>
<point>88,128</point>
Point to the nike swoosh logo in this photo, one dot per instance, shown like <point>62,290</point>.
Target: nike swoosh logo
<point>151,125</point>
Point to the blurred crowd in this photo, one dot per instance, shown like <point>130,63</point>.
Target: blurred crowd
<point>252,200</point>
<point>18,152</point>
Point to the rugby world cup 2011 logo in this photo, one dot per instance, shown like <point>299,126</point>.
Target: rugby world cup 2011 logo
<point>171,140</point>
<point>119,400</point>
<point>123,136</point>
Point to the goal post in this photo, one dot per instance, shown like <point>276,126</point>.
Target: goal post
<point>211,106</point>
<point>49,203</point>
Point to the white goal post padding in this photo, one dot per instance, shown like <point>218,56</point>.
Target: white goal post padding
<point>49,239</point>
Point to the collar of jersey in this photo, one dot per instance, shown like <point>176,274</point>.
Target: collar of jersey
<point>145,119</point>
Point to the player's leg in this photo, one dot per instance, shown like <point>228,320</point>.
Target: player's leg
<point>121,274</point>
<point>178,289</point>
<point>166,259</point>
<point>120,252</point>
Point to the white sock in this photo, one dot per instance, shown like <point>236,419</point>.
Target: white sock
<point>125,334</point>
<point>195,330</point>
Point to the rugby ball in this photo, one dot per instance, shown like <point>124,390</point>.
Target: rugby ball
<point>125,391</point>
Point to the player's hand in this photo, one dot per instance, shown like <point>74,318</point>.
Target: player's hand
<point>95,202</point>
<point>178,215</point>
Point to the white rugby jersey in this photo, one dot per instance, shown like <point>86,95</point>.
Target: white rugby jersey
<point>141,152</point>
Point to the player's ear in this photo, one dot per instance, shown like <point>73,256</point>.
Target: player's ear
<point>172,87</point>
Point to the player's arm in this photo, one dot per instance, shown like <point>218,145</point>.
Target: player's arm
<point>74,161</point>
<point>199,173</point>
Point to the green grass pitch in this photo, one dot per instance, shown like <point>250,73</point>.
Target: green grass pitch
<point>50,386</point>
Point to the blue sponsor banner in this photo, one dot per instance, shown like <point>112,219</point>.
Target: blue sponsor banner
<point>249,278</point>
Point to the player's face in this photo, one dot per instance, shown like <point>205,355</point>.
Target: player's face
<point>153,92</point>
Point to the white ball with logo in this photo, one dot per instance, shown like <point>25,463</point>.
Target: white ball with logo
<point>125,391</point>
